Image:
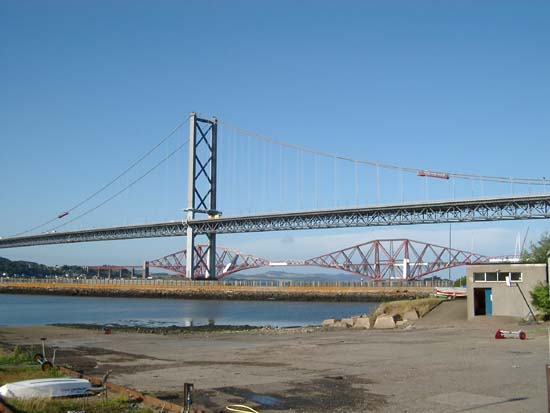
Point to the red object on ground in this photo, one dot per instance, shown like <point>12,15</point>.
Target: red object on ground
<point>501,334</point>
<point>107,330</point>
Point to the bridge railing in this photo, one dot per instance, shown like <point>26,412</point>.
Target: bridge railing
<point>429,282</point>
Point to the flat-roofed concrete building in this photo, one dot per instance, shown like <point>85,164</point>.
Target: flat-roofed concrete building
<point>489,294</point>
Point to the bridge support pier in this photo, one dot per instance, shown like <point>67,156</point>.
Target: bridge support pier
<point>145,272</point>
<point>201,195</point>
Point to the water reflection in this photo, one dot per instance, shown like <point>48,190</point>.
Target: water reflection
<point>18,309</point>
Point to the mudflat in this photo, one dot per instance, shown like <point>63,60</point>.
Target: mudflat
<point>441,363</point>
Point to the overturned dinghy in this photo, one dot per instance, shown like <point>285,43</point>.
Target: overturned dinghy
<point>48,388</point>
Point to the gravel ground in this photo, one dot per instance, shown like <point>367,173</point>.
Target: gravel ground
<point>443,363</point>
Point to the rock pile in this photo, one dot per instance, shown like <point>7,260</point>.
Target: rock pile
<point>382,322</point>
<point>360,322</point>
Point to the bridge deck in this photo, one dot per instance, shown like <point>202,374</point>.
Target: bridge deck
<point>472,210</point>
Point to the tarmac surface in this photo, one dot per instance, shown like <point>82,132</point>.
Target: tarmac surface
<point>443,363</point>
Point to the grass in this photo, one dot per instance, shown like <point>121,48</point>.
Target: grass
<point>18,365</point>
<point>422,305</point>
<point>95,404</point>
<point>16,357</point>
<point>11,374</point>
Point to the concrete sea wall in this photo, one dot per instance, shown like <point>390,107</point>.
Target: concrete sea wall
<point>219,292</point>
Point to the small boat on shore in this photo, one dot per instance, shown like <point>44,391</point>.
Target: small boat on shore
<point>47,388</point>
<point>451,292</point>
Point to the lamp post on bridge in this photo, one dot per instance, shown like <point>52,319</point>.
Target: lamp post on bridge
<point>201,194</point>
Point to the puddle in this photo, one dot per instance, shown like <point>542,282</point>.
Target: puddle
<point>264,399</point>
<point>324,395</point>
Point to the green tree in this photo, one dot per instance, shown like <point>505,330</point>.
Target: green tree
<point>537,251</point>
<point>459,282</point>
<point>540,297</point>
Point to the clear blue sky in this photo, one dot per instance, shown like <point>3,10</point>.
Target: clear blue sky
<point>88,87</point>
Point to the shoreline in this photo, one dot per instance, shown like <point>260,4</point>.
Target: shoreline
<point>166,330</point>
<point>219,292</point>
<point>320,370</point>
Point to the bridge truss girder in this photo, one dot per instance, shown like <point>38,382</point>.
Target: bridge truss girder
<point>384,259</point>
<point>227,262</point>
<point>395,259</point>
<point>474,210</point>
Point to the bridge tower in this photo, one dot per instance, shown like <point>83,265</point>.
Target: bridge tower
<point>201,194</point>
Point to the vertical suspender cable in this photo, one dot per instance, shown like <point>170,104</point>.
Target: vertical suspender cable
<point>481,186</point>
<point>402,188</point>
<point>453,187</point>
<point>270,175</point>
<point>281,170</point>
<point>264,172</point>
<point>248,177</point>
<point>302,185</point>
<point>366,187</point>
<point>426,187</point>
<point>235,184</point>
<point>299,186</point>
<point>316,180</point>
<point>285,186</point>
<point>377,183</point>
<point>334,180</point>
<point>356,184</point>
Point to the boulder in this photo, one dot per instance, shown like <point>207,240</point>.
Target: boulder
<point>362,322</point>
<point>338,324</point>
<point>328,322</point>
<point>397,317</point>
<point>411,315</point>
<point>384,322</point>
<point>400,323</point>
<point>348,322</point>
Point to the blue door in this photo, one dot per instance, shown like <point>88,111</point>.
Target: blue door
<point>488,301</point>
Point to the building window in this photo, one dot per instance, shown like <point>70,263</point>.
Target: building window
<point>499,276</point>
<point>490,276</point>
<point>479,276</point>
<point>516,276</point>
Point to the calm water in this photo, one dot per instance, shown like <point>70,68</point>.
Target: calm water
<point>18,309</point>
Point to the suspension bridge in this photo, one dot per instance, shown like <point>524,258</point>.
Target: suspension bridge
<point>306,179</point>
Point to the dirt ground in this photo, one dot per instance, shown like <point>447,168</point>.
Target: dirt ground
<point>443,363</point>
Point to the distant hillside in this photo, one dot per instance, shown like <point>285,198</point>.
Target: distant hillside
<point>33,269</point>
<point>282,275</point>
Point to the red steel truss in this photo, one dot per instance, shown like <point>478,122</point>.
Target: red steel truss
<point>227,262</point>
<point>403,259</point>
<point>384,259</point>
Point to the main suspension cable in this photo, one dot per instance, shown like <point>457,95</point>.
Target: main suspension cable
<point>107,185</point>
<point>131,184</point>
<point>487,178</point>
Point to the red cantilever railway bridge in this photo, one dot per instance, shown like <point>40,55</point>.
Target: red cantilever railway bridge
<point>374,260</point>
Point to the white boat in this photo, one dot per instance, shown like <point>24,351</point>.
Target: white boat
<point>450,292</point>
<point>47,388</point>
